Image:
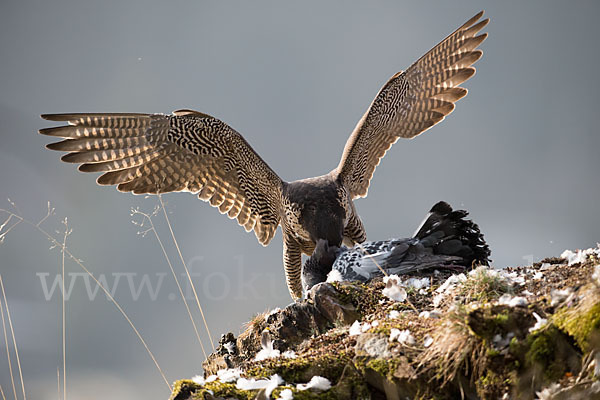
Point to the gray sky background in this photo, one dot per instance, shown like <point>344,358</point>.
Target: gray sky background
<point>520,152</point>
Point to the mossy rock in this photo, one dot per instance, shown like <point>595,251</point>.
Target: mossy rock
<point>581,322</point>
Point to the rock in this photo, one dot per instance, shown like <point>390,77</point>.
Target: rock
<point>372,345</point>
<point>327,300</point>
<point>479,345</point>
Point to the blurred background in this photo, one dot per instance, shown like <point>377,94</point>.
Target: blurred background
<point>520,152</point>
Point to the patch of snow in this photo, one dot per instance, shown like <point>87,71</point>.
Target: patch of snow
<point>403,337</point>
<point>518,301</point>
<point>211,378</point>
<point>365,327</point>
<point>508,300</point>
<point>289,354</point>
<point>557,296</point>
<point>334,276</point>
<point>448,285</point>
<point>418,283</point>
<point>484,270</point>
<point>355,329</point>
<point>375,323</point>
<point>286,394</point>
<point>579,256</point>
<point>394,314</point>
<point>546,267</point>
<point>427,341</point>
<point>252,384</point>
<point>526,293</point>
<point>538,275</point>
<point>199,380</point>
<point>451,282</point>
<point>317,383</point>
<point>514,277</point>
<point>540,322</point>
<point>393,289</point>
<point>430,314</point>
<point>229,375</point>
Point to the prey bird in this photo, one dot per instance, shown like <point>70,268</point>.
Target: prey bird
<point>444,240</point>
<point>194,152</point>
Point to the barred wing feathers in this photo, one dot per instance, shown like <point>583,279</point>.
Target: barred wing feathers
<point>410,103</point>
<point>186,151</point>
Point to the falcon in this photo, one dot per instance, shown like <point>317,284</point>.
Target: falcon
<point>189,151</point>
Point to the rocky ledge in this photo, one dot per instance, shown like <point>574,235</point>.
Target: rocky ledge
<point>519,333</point>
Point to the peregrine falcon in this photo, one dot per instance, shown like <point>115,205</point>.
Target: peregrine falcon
<point>195,152</point>
<point>445,239</point>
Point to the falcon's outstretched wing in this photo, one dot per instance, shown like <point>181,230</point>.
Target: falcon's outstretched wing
<point>410,103</point>
<point>186,151</point>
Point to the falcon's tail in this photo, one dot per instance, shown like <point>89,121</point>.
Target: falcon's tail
<point>448,232</point>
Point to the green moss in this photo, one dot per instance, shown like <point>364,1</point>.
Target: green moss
<point>486,321</point>
<point>492,384</point>
<point>516,347</point>
<point>541,353</point>
<point>502,318</point>
<point>225,390</point>
<point>491,352</point>
<point>540,349</point>
<point>351,385</point>
<point>185,388</point>
<point>301,369</point>
<point>578,323</point>
<point>384,367</point>
<point>306,394</point>
<point>489,378</point>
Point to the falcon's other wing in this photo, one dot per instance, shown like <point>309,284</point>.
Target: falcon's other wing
<point>410,103</point>
<point>186,151</point>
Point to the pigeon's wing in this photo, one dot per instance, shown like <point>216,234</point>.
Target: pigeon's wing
<point>410,103</point>
<point>185,151</point>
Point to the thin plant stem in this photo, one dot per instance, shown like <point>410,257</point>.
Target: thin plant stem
<point>2,393</point>
<point>56,243</point>
<point>12,375</point>
<point>12,332</point>
<point>64,331</point>
<point>148,217</point>
<point>162,204</point>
